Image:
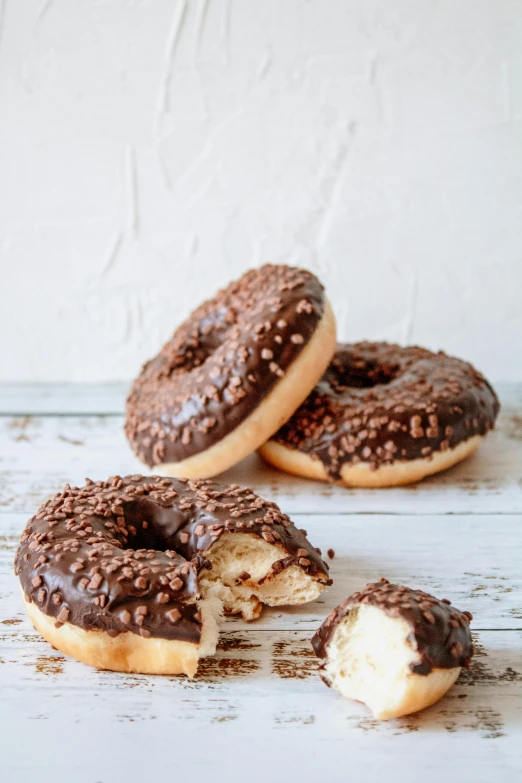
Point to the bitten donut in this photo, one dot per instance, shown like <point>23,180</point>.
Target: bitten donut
<point>395,649</point>
<point>131,574</point>
<point>232,373</point>
<point>383,415</point>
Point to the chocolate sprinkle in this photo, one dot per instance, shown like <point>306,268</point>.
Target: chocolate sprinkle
<point>439,632</point>
<point>378,403</point>
<point>222,362</point>
<point>143,541</point>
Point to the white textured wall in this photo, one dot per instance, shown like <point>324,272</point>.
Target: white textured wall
<point>151,151</point>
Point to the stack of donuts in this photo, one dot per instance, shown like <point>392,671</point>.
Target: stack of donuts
<point>133,573</point>
<point>258,367</point>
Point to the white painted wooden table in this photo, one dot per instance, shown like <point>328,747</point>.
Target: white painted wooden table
<point>258,709</point>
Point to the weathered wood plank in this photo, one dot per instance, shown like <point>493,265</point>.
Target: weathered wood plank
<point>468,559</point>
<point>41,454</point>
<point>62,399</point>
<point>259,695</point>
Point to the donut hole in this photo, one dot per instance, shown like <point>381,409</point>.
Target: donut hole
<point>191,357</point>
<point>243,578</point>
<point>349,371</point>
<point>370,660</point>
<point>150,525</point>
<point>193,349</point>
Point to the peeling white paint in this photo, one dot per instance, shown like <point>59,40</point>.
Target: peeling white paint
<point>151,151</point>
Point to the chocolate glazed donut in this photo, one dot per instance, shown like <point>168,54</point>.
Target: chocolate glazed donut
<point>232,373</point>
<point>131,574</point>
<point>383,415</point>
<point>396,649</point>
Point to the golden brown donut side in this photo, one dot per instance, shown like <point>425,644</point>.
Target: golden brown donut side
<point>126,652</point>
<point>398,473</point>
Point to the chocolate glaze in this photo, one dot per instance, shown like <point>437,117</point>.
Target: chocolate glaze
<point>125,554</point>
<point>221,363</point>
<point>378,403</point>
<point>439,633</point>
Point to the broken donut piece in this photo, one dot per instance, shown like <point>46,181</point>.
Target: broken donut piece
<point>396,649</point>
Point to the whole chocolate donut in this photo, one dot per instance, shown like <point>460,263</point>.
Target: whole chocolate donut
<point>396,649</point>
<point>132,573</point>
<point>232,373</point>
<point>383,415</point>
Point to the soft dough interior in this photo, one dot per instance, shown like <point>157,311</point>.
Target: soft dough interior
<point>211,609</point>
<point>235,555</point>
<point>369,660</point>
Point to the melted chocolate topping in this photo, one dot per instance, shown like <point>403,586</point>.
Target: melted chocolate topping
<point>439,632</point>
<point>221,363</point>
<point>124,554</point>
<point>378,403</point>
